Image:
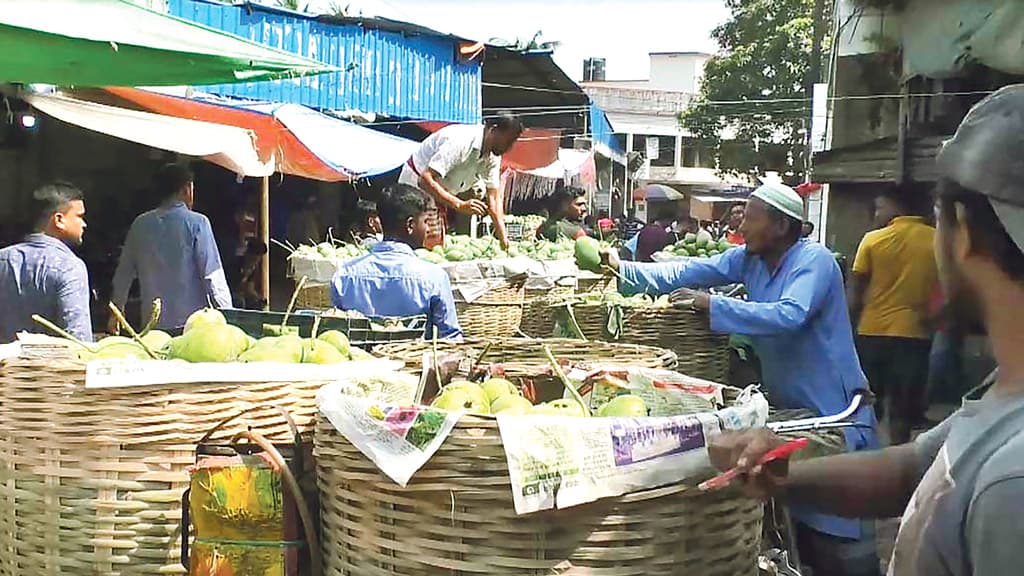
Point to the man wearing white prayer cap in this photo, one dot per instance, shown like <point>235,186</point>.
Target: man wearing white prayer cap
<point>797,317</point>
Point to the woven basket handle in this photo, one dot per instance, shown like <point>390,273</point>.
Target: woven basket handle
<point>296,437</point>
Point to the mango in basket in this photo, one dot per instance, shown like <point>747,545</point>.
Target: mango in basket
<point>562,407</point>
<point>204,317</point>
<point>464,395</point>
<point>156,339</point>
<point>511,405</point>
<point>316,351</point>
<point>338,340</point>
<point>283,349</point>
<point>588,254</point>
<point>624,406</point>
<point>117,348</point>
<point>498,387</point>
<point>209,342</point>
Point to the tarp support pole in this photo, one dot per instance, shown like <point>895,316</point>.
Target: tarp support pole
<point>265,236</point>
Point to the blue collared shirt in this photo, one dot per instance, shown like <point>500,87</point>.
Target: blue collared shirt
<point>43,276</point>
<point>392,282</point>
<point>173,254</point>
<point>798,321</point>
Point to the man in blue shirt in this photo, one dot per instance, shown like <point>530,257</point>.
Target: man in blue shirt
<point>391,281</point>
<point>172,252</point>
<point>798,321</point>
<point>42,275</point>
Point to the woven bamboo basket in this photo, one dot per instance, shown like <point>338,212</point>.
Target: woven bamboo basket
<point>91,480</point>
<point>456,517</point>
<point>496,314</point>
<point>314,297</point>
<point>701,352</point>
<point>595,284</point>
<point>538,316</point>
<point>525,356</point>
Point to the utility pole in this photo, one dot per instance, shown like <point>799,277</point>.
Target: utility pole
<point>813,77</point>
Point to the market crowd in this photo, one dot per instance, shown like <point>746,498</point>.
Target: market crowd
<point>820,338</point>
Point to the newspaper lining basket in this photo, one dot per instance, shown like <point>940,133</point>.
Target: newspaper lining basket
<point>457,517</point>
<point>91,480</point>
<point>496,314</point>
<point>525,356</point>
<point>701,353</point>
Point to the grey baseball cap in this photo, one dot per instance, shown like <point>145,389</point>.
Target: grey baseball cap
<point>986,155</point>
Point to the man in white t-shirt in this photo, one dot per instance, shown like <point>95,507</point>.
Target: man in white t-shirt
<point>456,159</point>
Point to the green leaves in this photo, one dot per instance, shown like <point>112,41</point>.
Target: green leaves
<point>753,103</point>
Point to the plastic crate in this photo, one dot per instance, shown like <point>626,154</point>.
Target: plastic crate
<point>359,330</point>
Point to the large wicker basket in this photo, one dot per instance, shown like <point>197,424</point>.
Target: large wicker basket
<point>91,480</point>
<point>538,315</point>
<point>701,352</point>
<point>457,517</point>
<point>496,314</point>
<point>525,356</point>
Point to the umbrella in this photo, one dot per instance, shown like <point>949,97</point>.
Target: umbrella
<point>118,43</point>
<point>658,192</point>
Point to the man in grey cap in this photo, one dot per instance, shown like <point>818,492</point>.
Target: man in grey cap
<point>797,318</point>
<point>962,483</point>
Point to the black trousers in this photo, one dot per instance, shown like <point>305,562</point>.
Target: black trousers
<point>897,370</point>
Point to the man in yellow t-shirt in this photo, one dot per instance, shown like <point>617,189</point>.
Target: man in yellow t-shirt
<point>893,277</point>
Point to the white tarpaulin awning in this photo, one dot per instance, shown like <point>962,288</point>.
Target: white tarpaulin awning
<point>569,162</point>
<point>230,147</point>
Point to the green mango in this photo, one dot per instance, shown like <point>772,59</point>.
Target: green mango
<point>588,254</point>
<point>204,316</point>
<point>156,339</point>
<point>338,340</point>
<point>281,349</point>
<point>209,343</point>
<point>121,351</point>
<point>316,351</point>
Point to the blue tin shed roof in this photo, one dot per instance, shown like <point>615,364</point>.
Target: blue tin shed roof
<point>390,67</point>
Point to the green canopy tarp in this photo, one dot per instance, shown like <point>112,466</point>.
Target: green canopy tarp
<point>118,43</point>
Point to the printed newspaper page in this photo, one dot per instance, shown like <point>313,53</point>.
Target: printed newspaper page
<point>558,462</point>
<point>399,440</point>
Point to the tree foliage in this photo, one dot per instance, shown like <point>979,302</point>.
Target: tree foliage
<point>753,104</point>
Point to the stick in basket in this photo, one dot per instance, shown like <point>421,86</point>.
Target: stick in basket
<point>557,368</point>
<point>131,331</point>
<point>61,332</point>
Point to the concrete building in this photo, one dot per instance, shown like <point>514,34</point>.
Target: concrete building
<point>645,117</point>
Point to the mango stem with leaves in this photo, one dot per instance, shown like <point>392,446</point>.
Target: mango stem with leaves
<point>131,331</point>
<point>557,368</point>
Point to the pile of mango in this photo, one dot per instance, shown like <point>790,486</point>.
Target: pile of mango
<point>208,337</point>
<point>499,396</point>
<point>698,245</point>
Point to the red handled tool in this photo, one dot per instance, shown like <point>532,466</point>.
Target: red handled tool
<point>784,451</point>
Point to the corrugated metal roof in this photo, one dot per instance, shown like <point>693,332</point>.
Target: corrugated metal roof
<point>388,69</point>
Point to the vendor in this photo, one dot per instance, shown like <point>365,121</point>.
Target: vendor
<point>732,230</point>
<point>391,281</point>
<point>367,229</point>
<point>566,212</point>
<point>41,275</point>
<point>456,158</point>
<point>171,251</point>
<point>798,321</point>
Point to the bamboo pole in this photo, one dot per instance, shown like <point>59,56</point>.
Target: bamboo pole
<point>265,235</point>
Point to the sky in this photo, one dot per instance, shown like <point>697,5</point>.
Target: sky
<point>621,31</point>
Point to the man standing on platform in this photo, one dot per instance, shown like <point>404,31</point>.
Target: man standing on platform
<point>454,160</point>
<point>798,321</point>
<point>42,275</point>
<point>172,253</point>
